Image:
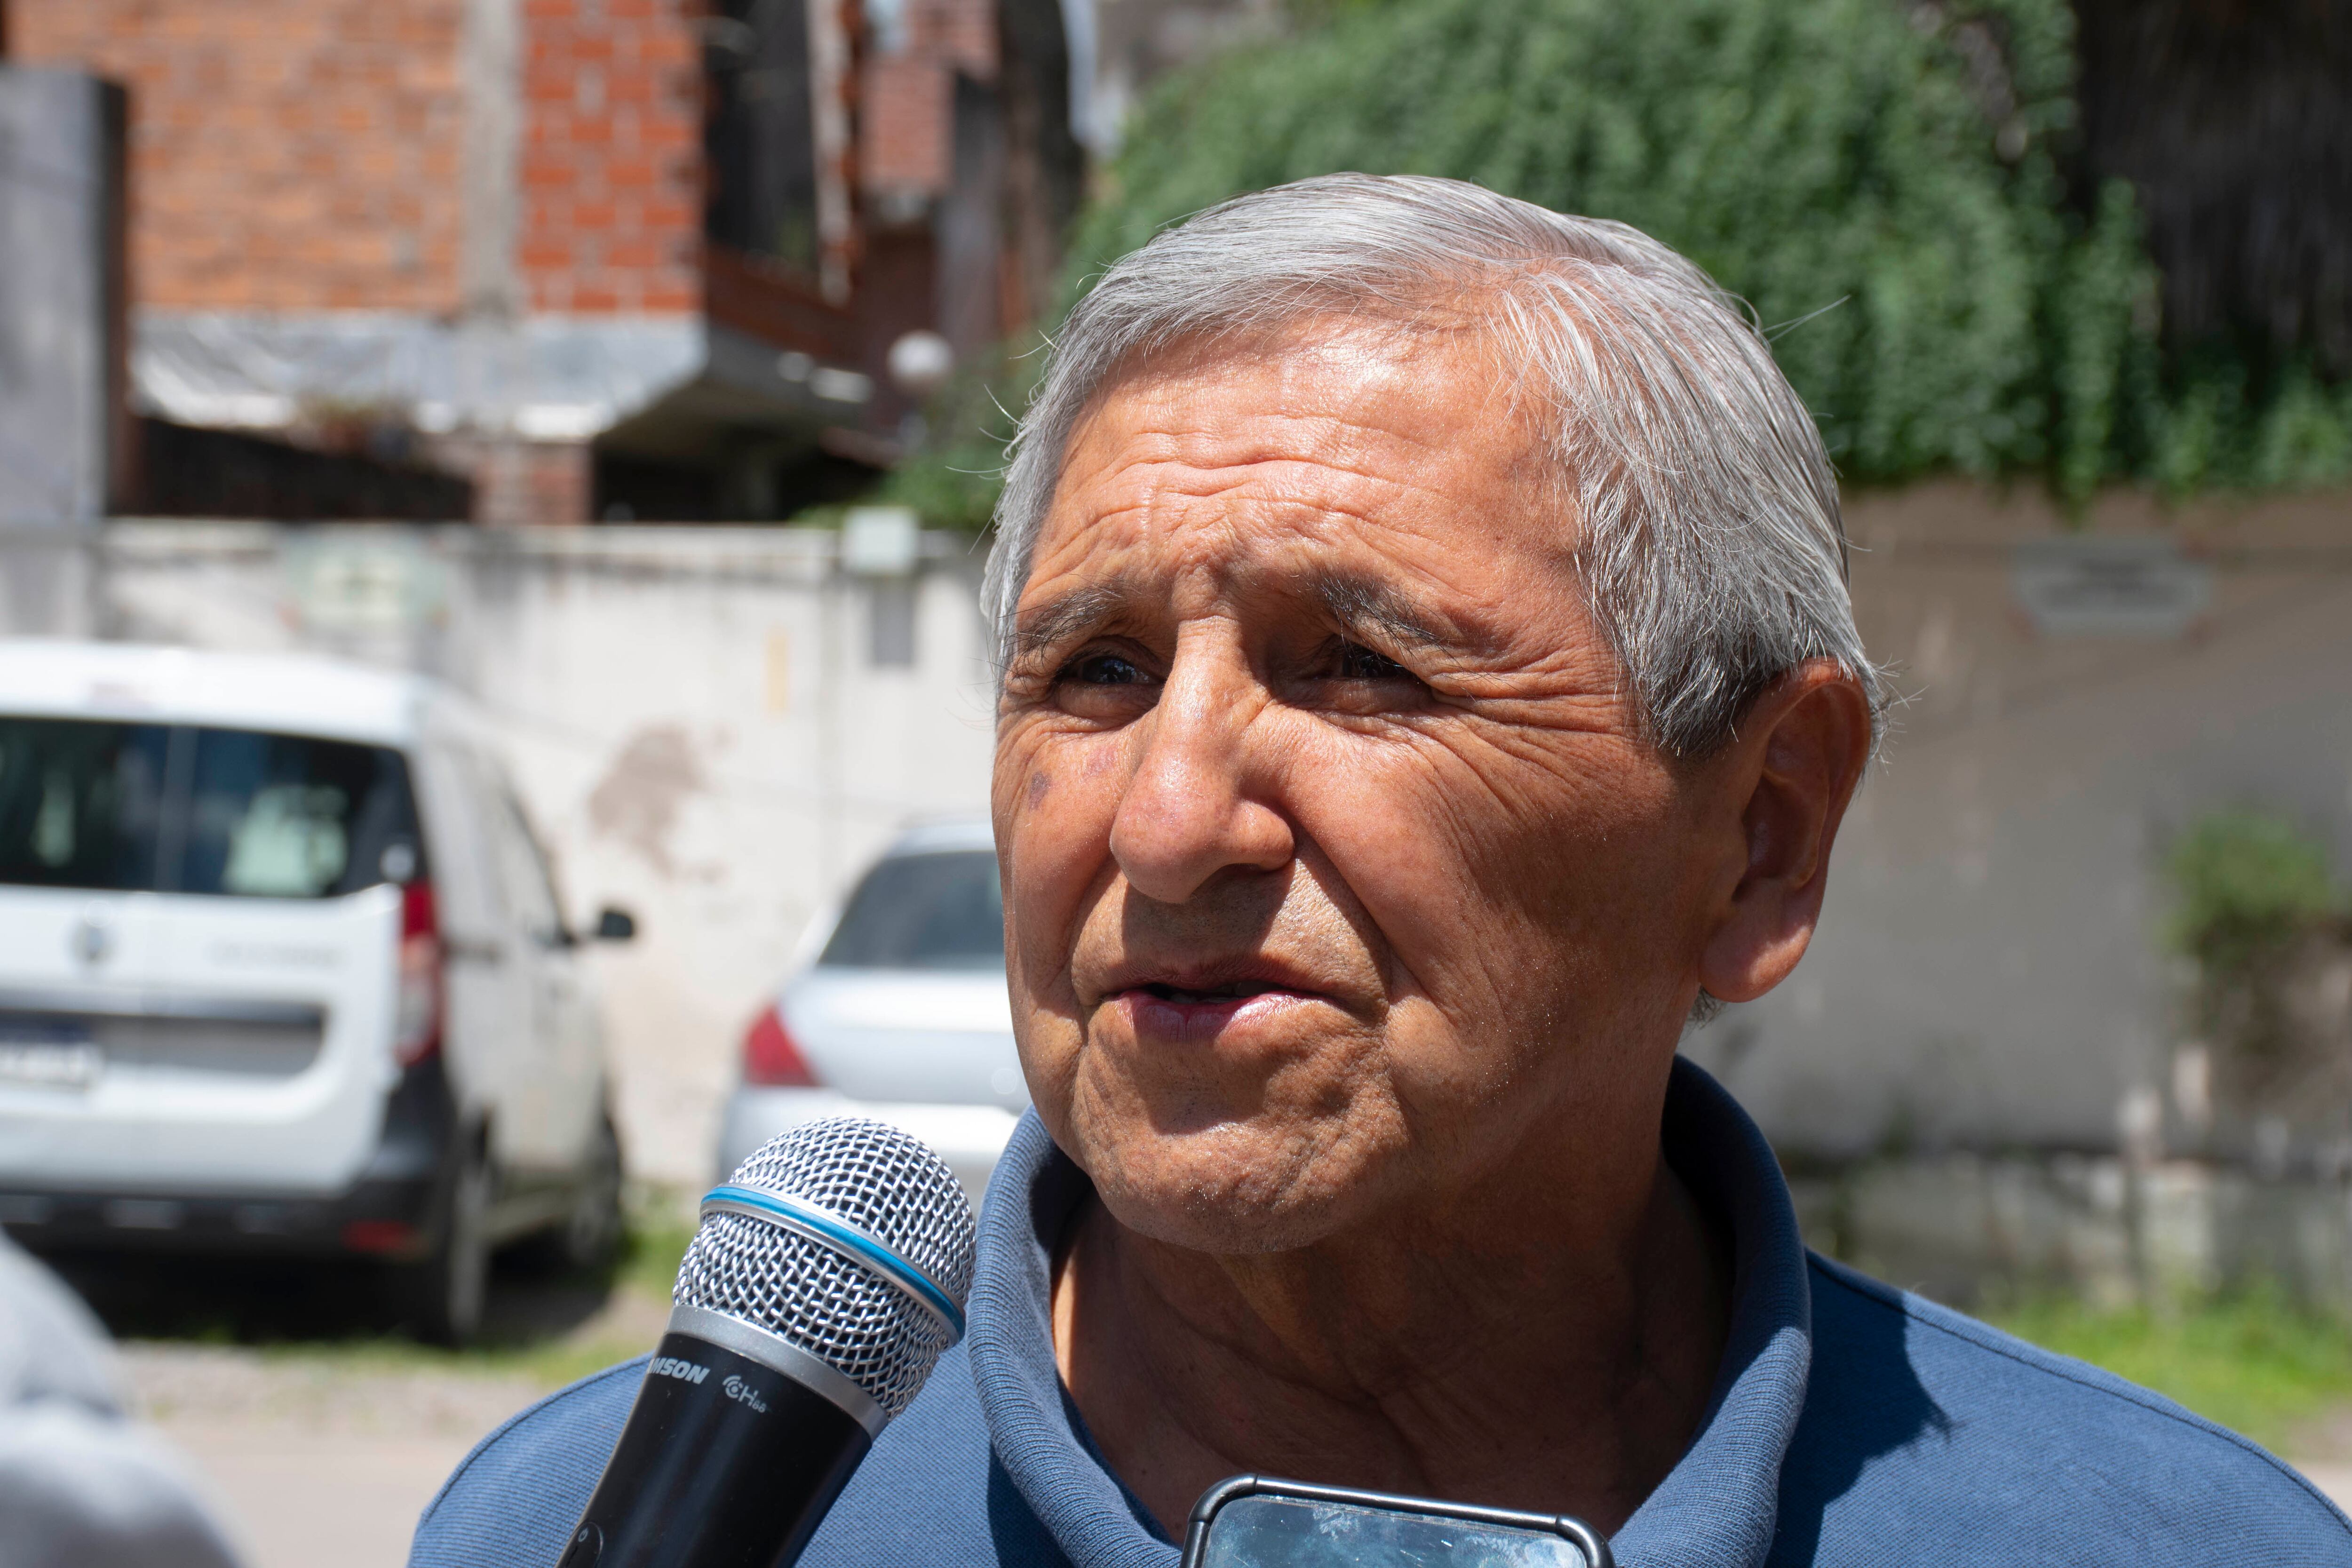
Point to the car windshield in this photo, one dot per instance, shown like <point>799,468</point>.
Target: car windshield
<point>923,911</point>
<point>177,809</point>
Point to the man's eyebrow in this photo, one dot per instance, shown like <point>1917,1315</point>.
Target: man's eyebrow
<point>1351,598</point>
<point>1066,614</point>
<point>1358,601</point>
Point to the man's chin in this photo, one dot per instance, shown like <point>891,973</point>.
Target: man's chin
<point>1229,1192</point>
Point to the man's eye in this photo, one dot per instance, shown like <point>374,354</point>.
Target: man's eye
<point>1358,662</point>
<point>1104,669</point>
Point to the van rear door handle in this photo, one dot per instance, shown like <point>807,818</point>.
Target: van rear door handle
<point>473,949</point>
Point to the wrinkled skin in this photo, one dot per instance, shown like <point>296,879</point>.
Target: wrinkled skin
<point>1352,925</point>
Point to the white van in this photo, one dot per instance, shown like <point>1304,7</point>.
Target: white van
<point>282,968</point>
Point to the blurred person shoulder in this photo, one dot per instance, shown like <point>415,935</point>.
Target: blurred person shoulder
<point>52,1346</point>
<point>930,1491</point>
<point>81,1485</point>
<point>1929,1436</point>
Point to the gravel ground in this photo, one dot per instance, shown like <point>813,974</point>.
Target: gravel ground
<point>311,1462</point>
<point>2323,1450</point>
<point>322,1455</point>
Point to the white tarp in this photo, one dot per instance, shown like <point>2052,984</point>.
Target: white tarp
<point>543,377</point>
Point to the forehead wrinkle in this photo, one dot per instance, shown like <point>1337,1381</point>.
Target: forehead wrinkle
<point>1158,488</point>
<point>1151,432</point>
<point>1339,442</point>
<point>1161,401</point>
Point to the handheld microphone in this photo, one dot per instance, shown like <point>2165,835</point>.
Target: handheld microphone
<point>825,1281</point>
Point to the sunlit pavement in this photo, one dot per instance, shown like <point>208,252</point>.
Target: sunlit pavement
<point>321,1449</point>
<point>2336,1480</point>
<point>311,1462</point>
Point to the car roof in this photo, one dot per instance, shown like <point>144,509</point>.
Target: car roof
<point>285,693</point>
<point>942,836</point>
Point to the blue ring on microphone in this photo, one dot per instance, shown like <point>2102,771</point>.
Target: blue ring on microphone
<point>832,1228</point>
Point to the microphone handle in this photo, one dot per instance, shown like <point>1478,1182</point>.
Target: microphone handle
<point>725,1463</point>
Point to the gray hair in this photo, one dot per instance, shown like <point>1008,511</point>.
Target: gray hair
<point>1712,554</point>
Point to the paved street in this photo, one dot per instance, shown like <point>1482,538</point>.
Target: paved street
<point>321,1454</point>
<point>317,1461</point>
<point>2324,1452</point>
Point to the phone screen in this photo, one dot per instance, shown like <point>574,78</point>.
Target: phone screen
<point>1254,1523</point>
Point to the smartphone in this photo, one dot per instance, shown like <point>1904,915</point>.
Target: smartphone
<point>1255,1521</point>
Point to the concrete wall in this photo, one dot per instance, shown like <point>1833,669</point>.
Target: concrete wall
<point>1989,972</point>
<point>60,280</point>
<point>695,716</point>
<point>1967,1228</point>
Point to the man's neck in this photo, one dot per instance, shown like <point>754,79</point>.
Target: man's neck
<point>1541,1373</point>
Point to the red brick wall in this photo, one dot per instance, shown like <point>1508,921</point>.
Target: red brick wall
<point>304,154</point>
<point>907,125</point>
<point>521,483</point>
<point>612,156</point>
<point>962,33</point>
<point>907,99</point>
<point>285,154</point>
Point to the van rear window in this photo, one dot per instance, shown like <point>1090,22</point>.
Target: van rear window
<point>182,808</point>
<point>923,911</point>
<point>81,804</point>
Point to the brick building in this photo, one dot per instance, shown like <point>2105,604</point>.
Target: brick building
<point>595,258</point>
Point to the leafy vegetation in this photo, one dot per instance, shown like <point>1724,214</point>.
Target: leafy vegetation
<point>2248,883</point>
<point>658,1234</point>
<point>954,480</point>
<point>2254,1363</point>
<point>2254,899</point>
<point>1887,184</point>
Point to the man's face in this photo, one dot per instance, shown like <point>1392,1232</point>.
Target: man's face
<point>1337,871</point>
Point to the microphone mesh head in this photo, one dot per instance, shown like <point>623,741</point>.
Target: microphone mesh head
<point>888,1184</point>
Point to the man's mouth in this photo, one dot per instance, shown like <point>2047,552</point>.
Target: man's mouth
<point>1237,991</point>
<point>1199,1009</point>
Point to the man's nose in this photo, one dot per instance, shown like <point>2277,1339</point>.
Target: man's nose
<point>1194,806</point>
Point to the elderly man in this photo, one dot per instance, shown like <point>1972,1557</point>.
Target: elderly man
<point>1429,683</point>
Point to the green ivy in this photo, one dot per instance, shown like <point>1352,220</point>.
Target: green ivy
<point>2247,884</point>
<point>1892,162</point>
<point>2252,892</point>
<point>953,480</point>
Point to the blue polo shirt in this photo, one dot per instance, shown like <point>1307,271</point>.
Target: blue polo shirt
<point>1850,1424</point>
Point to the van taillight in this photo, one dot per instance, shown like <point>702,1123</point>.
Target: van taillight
<point>771,1058</point>
<point>417,1031</point>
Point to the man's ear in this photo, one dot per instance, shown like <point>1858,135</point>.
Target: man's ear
<point>1800,754</point>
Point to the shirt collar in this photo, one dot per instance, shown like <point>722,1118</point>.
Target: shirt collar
<point>1037,1432</point>
<point>1718,1506</point>
<point>1720,1503</point>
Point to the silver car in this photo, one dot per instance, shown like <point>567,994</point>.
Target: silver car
<point>902,1017</point>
